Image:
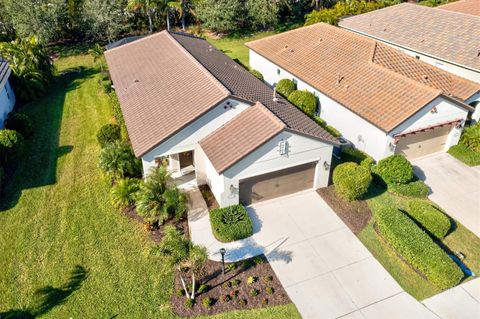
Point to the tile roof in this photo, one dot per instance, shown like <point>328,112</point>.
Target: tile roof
<point>383,86</point>
<point>241,136</point>
<point>161,88</point>
<point>243,85</point>
<point>447,35</point>
<point>471,7</point>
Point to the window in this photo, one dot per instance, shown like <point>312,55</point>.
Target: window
<point>278,71</point>
<point>283,147</point>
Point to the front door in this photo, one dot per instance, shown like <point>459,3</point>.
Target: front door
<point>186,159</point>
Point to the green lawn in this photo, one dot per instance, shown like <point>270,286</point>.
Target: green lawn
<point>460,239</point>
<point>235,47</point>
<point>464,154</point>
<point>65,252</point>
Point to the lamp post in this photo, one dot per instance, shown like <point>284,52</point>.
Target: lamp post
<point>222,252</point>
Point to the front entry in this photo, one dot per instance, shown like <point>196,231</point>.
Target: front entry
<point>278,183</point>
<point>186,159</point>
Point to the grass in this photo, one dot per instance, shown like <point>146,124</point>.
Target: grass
<point>235,47</point>
<point>460,239</point>
<point>464,154</point>
<point>66,252</point>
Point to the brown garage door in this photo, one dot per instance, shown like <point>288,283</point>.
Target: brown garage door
<point>423,143</point>
<point>278,183</point>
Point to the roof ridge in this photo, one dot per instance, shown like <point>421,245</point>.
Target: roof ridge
<point>200,66</point>
<point>137,41</point>
<point>270,114</point>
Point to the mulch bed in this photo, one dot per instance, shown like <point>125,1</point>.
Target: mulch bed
<point>156,233</point>
<point>355,215</point>
<point>218,287</point>
<point>208,197</point>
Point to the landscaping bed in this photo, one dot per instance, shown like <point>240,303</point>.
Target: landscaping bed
<point>355,215</point>
<point>221,286</point>
<point>208,197</point>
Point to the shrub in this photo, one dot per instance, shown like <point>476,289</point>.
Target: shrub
<point>231,223</point>
<point>150,197</point>
<point>304,100</point>
<point>285,87</point>
<point>123,193</point>
<point>417,248</point>
<point>333,131</point>
<point>269,291</point>
<point>107,86</point>
<point>203,288</point>
<point>351,180</point>
<point>430,218</point>
<point>207,302</point>
<point>258,260</point>
<point>21,123</point>
<point>108,133</point>
<point>351,154</point>
<point>2,177</point>
<point>257,74</point>
<point>232,266</point>
<point>189,303</point>
<point>264,301</point>
<point>233,294</point>
<point>180,292</point>
<point>395,169</point>
<point>254,292</point>
<point>175,202</point>
<point>247,263</point>
<point>242,302</point>
<point>225,298</point>
<point>416,189</point>
<point>268,278</point>
<point>251,280</point>
<point>471,137</point>
<point>12,146</point>
<point>118,161</point>
<point>234,282</point>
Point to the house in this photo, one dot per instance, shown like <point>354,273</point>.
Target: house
<point>379,98</point>
<point>188,104</point>
<point>471,7</point>
<point>444,38</point>
<point>7,97</point>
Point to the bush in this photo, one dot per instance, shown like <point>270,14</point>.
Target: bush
<point>2,178</point>
<point>269,291</point>
<point>207,302</point>
<point>254,292</point>
<point>175,202</point>
<point>257,74</point>
<point>123,193</point>
<point>108,133</point>
<point>225,298</point>
<point>118,161</point>
<point>351,154</point>
<point>21,123</point>
<point>285,87</point>
<point>430,218</point>
<point>351,180</point>
<point>203,288</point>
<point>12,146</point>
<point>333,131</point>
<point>304,100</point>
<point>417,248</point>
<point>416,189</point>
<point>232,266</point>
<point>395,169</point>
<point>150,199</point>
<point>189,303</point>
<point>231,223</point>
<point>471,137</point>
<point>251,280</point>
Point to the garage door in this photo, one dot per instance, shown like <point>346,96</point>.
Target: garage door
<point>423,143</point>
<point>278,183</point>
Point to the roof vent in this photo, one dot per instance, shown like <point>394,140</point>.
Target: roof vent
<point>136,81</point>
<point>321,39</point>
<point>339,78</point>
<point>291,50</point>
<point>286,46</point>
<point>275,99</point>
<point>425,77</point>
<point>347,86</point>
<point>478,53</point>
<point>384,29</point>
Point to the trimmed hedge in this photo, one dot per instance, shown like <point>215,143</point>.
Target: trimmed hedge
<point>304,100</point>
<point>21,123</point>
<point>430,217</point>
<point>12,146</point>
<point>285,87</point>
<point>257,74</point>
<point>351,180</point>
<point>108,134</point>
<point>417,248</point>
<point>351,154</point>
<point>395,169</point>
<point>416,189</point>
<point>231,223</point>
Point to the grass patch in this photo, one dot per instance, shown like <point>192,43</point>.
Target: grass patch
<point>66,252</point>
<point>464,154</point>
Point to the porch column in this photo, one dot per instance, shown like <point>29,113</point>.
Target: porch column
<point>174,162</point>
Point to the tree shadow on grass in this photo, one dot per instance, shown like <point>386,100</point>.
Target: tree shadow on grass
<point>48,297</point>
<point>38,167</point>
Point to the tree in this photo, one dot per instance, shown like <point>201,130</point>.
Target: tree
<point>150,198</point>
<point>97,53</point>
<point>222,15</point>
<point>106,19</point>
<point>262,13</point>
<point>118,161</point>
<point>31,66</point>
<point>181,253</point>
<point>123,193</point>
<point>175,202</point>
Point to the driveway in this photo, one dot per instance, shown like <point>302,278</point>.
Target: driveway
<point>454,186</point>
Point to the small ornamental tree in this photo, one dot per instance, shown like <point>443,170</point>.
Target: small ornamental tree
<point>351,180</point>
<point>285,87</point>
<point>304,100</point>
<point>395,169</point>
<point>108,133</point>
<point>118,161</point>
<point>11,146</point>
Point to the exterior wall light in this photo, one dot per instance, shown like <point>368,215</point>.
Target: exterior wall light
<point>391,146</point>
<point>326,165</point>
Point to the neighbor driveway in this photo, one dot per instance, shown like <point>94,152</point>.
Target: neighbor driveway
<point>454,186</point>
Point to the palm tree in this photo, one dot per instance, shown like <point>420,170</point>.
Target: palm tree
<point>175,202</point>
<point>471,137</point>
<point>123,194</point>
<point>150,198</point>
<point>118,161</point>
<point>97,53</point>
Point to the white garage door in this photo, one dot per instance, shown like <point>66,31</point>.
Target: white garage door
<point>423,143</point>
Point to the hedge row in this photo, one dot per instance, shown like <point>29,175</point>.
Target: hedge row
<point>285,87</point>
<point>231,223</point>
<point>304,100</point>
<point>416,189</point>
<point>418,249</point>
<point>430,218</point>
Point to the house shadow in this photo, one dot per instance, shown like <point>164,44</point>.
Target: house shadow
<point>38,166</point>
<point>48,297</point>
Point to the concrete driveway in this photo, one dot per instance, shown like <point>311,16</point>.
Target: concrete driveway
<point>325,269</point>
<point>454,186</point>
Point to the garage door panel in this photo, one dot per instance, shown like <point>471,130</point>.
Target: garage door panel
<point>423,143</point>
<point>278,183</point>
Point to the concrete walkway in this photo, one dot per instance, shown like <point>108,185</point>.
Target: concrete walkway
<point>454,186</point>
<point>325,269</point>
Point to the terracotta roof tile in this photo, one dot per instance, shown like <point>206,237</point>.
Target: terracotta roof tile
<point>161,88</point>
<point>379,85</point>
<point>463,6</point>
<point>241,136</point>
<point>448,35</point>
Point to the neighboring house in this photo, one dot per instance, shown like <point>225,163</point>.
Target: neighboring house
<point>7,98</point>
<point>382,100</point>
<point>471,7</point>
<point>446,39</point>
<point>187,103</point>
